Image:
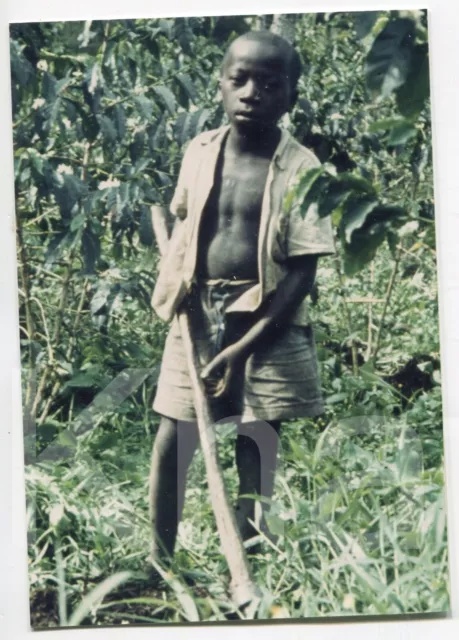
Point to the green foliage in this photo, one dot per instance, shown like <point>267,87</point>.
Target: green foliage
<point>102,112</point>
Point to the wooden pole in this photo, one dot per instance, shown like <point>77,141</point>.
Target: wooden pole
<point>243,589</point>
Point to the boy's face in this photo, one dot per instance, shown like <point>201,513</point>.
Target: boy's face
<point>255,86</point>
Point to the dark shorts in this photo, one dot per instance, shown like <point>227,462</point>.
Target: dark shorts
<point>280,380</point>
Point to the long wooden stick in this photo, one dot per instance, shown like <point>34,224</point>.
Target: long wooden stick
<point>243,588</point>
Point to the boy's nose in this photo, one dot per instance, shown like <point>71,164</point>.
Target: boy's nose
<point>251,92</point>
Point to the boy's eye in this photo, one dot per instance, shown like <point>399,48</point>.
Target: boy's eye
<point>237,79</point>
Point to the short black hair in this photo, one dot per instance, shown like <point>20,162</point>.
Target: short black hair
<point>287,49</point>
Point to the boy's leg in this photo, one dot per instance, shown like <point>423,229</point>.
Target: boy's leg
<point>172,454</point>
<point>256,456</point>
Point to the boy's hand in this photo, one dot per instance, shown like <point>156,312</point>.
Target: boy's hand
<point>219,373</point>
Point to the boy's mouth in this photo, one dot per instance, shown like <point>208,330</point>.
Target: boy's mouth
<point>247,115</point>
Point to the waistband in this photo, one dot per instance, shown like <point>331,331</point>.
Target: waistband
<point>223,282</point>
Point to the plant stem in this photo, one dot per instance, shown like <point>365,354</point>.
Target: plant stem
<point>68,354</point>
<point>347,314</point>
<point>55,337</point>
<point>387,297</point>
<point>30,325</point>
<point>370,314</point>
<point>59,319</point>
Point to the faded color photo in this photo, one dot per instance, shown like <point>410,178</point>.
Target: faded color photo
<point>227,272</point>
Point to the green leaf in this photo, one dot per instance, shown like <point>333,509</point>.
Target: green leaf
<point>90,127</point>
<point>315,193</point>
<point>336,190</point>
<point>36,162</point>
<point>385,125</point>
<point>332,197</point>
<point>108,129</point>
<point>335,398</point>
<point>78,221</point>
<point>21,69</point>
<point>136,146</point>
<point>100,298</point>
<point>201,118</point>
<point>120,121</point>
<point>179,126</point>
<point>90,244</point>
<point>299,192</point>
<point>412,95</point>
<point>181,592</point>
<point>56,246</point>
<point>401,134</point>
<point>362,249</point>
<point>275,524</point>
<point>49,87</point>
<point>389,60</point>
<point>145,106</point>
<point>356,183</point>
<point>167,97</point>
<point>146,235</point>
<point>157,135</point>
<point>95,597</point>
<point>307,180</point>
<point>68,192</point>
<point>184,34</point>
<point>187,83</point>
<point>83,380</point>
<point>355,214</point>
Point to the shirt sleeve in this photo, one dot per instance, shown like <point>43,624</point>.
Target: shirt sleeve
<point>179,203</point>
<point>308,234</point>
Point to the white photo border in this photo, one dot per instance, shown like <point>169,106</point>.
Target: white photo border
<point>444,50</point>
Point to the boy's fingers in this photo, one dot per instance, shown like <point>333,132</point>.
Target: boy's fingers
<point>222,385</point>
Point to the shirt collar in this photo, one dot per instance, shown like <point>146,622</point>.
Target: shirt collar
<point>279,158</point>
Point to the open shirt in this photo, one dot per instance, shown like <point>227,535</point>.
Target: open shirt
<point>283,232</point>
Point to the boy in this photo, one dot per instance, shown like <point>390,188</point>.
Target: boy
<point>244,267</point>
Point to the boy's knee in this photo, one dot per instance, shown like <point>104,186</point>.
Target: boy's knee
<point>166,436</point>
<point>260,431</point>
<point>172,434</point>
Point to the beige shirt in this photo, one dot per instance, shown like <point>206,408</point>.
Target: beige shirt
<point>284,233</point>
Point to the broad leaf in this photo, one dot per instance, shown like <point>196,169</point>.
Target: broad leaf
<point>108,129</point>
<point>356,212</point>
<point>120,121</point>
<point>95,597</point>
<point>187,83</point>
<point>49,87</point>
<point>401,134</point>
<point>145,106</point>
<point>167,97</point>
<point>333,196</point>
<point>385,125</point>
<point>413,94</point>
<point>136,146</point>
<point>90,244</point>
<point>362,249</point>
<point>389,60</point>
<point>300,190</point>
<point>146,235</point>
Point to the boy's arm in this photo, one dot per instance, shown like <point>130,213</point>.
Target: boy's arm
<point>289,294</point>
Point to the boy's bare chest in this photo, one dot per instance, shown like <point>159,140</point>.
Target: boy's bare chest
<point>240,190</point>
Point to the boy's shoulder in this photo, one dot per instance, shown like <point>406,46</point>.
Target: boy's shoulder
<point>296,154</point>
<point>293,154</point>
<point>205,138</point>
